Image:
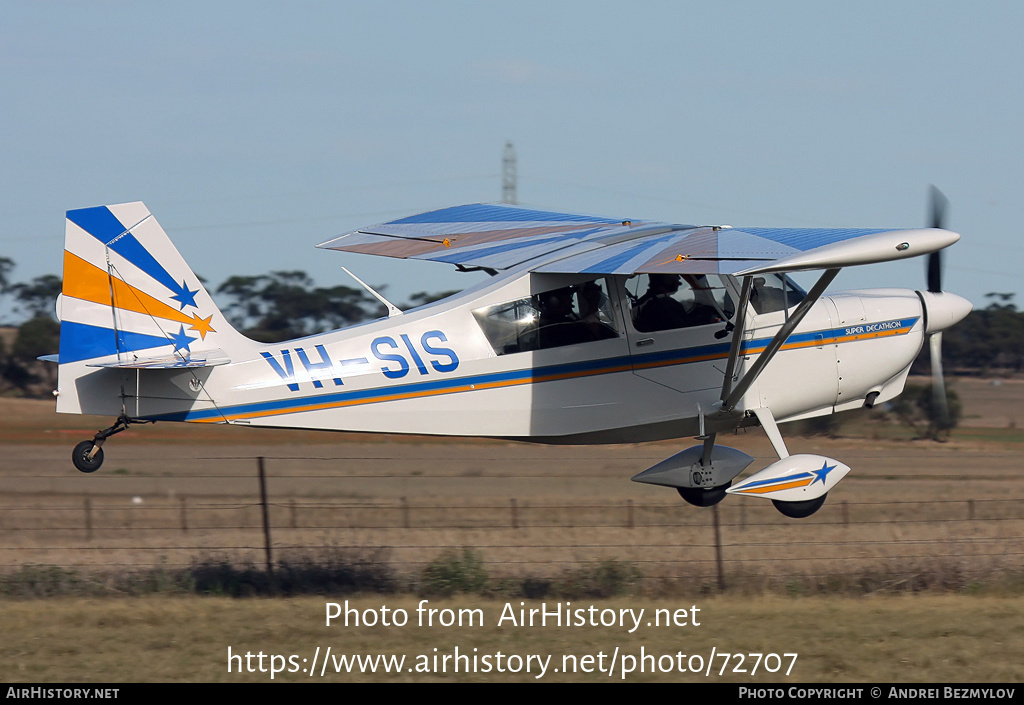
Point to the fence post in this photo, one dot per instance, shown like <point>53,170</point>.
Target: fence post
<point>846,513</point>
<point>184,517</point>
<point>515,514</point>
<point>970,510</point>
<point>405,513</point>
<point>88,519</point>
<point>718,548</point>
<point>292,513</point>
<point>629,514</point>
<point>266,516</point>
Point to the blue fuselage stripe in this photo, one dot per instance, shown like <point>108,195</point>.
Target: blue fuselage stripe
<point>622,363</point>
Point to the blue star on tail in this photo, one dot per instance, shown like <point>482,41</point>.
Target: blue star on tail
<point>186,296</point>
<point>105,227</point>
<point>180,340</point>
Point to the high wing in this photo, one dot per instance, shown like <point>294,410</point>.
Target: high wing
<point>502,236</point>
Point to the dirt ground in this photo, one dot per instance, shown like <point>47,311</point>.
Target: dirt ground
<point>989,403</point>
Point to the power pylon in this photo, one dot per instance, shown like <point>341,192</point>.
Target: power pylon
<point>508,174</point>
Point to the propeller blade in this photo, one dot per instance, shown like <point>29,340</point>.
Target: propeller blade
<point>938,204</point>
<point>935,272</point>
<point>937,219</point>
<point>938,384</point>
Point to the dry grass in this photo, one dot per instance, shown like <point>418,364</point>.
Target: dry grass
<point>923,639</point>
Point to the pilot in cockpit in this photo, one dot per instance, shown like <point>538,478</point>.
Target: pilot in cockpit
<point>658,309</point>
<point>663,307</point>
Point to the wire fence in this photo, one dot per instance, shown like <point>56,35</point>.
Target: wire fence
<point>957,540</point>
<point>90,518</point>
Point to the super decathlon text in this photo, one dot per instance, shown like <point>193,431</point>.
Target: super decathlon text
<point>874,327</point>
<point>427,355</point>
<point>62,693</point>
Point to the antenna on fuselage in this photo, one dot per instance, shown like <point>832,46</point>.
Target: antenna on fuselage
<point>392,309</point>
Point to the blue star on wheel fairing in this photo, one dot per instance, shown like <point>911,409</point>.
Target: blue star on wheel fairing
<point>822,474</point>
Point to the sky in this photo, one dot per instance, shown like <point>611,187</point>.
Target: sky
<point>254,130</point>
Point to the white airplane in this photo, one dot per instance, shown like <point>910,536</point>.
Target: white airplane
<point>591,330</point>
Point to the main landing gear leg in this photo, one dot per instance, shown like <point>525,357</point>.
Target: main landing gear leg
<point>88,455</point>
<point>705,496</point>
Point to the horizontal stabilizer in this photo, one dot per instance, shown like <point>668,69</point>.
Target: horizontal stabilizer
<point>205,358</point>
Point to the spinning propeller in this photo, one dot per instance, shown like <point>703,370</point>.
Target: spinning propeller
<point>938,205</point>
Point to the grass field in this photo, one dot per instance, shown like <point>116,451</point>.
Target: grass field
<point>946,519</point>
<point>881,640</point>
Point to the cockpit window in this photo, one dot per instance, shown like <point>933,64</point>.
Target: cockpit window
<point>774,292</point>
<point>671,301</point>
<point>581,313</point>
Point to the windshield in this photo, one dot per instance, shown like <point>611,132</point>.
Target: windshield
<point>775,292</point>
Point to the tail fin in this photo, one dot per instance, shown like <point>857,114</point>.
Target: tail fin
<point>128,294</point>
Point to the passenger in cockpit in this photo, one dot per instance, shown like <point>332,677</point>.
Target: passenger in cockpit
<point>591,300</point>
<point>658,309</point>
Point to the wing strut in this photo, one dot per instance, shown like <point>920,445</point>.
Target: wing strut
<point>737,337</point>
<point>733,397</point>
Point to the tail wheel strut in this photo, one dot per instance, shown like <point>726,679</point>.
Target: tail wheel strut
<point>88,455</point>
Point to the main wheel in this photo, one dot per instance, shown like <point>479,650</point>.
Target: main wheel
<point>700,497</point>
<point>800,510</point>
<point>80,457</point>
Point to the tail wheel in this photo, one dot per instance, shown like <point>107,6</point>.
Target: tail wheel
<point>800,510</point>
<point>700,497</point>
<point>80,457</point>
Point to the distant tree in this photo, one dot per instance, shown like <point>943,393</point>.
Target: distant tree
<point>20,369</point>
<point>987,339</point>
<point>286,304</point>
<point>38,296</point>
<point>343,306</point>
<point>37,336</point>
<point>246,306</point>
<point>6,265</point>
<point>421,298</point>
<point>1005,296</point>
<point>916,408</point>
